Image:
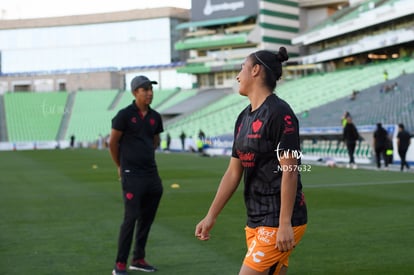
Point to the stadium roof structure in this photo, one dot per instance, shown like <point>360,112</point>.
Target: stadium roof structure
<point>206,42</point>
<point>363,16</point>
<point>212,22</point>
<point>354,18</point>
<point>217,44</point>
<point>120,16</point>
<point>100,45</point>
<point>98,69</point>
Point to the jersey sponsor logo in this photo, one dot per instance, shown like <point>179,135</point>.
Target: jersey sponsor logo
<point>256,126</point>
<point>289,128</point>
<point>266,235</point>
<point>247,159</point>
<point>288,119</point>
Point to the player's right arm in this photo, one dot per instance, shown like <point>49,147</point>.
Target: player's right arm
<point>228,185</point>
<point>114,148</point>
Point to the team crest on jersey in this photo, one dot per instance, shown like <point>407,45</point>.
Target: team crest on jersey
<point>134,119</point>
<point>256,126</point>
<point>152,121</point>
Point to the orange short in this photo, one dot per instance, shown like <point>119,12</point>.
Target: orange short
<point>262,253</point>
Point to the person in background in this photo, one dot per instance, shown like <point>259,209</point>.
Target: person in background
<point>344,118</point>
<point>72,141</point>
<point>350,137</point>
<point>201,135</point>
<point>389,151</point>
<point>182,138</point>
<point>135,136</point>
<point>168,141</point>
<point>266,135</point>
<point>100,142</point>
<point>380,145</point>
<point>403,142</point>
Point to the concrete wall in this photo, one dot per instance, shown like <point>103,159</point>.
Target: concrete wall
<point>62,82</point>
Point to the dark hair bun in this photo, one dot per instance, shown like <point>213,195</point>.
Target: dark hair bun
<point>282,55</point>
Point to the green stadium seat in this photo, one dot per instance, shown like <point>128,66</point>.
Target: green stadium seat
<point>34,116</point>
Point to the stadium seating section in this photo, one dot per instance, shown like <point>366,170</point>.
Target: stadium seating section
<point>34,116</point>
<point>325,96</point>
<point>90,115</point>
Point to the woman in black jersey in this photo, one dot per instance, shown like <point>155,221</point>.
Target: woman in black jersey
<point>266,151</point>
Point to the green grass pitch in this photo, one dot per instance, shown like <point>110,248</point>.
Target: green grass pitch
<point>60,214</point>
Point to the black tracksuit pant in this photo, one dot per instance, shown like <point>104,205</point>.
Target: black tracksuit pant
<point>141,199</point>
<point>380,151</point>
<point>351,151</point>
<point>403,154</point>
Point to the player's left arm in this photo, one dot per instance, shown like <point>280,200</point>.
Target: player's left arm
<point>285,238</point>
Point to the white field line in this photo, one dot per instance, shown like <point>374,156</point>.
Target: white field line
<point>330,185</point>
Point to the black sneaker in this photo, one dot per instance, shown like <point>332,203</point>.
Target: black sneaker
<point>142,265</point>
<point>120,269</point>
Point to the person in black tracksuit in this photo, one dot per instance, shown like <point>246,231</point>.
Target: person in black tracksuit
<point>403,142</point>
<point>350,136</point>
<point>380,145</point>
<point>133,141</point>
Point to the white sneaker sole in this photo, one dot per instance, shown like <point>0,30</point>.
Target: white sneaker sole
<point>114,272</point>
<point>141,269</point>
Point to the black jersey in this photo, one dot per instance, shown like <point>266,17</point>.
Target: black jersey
<point>136,147</point>
<point>261,138</point>
<point>404,138</point>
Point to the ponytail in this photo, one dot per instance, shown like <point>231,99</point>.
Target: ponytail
<point>272,63</point>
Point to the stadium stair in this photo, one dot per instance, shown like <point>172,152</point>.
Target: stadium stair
<point>196,101</point>
<point>64,124</point>
<point>3,127</point>
<point>116,100</point>
<point>90,116</point>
